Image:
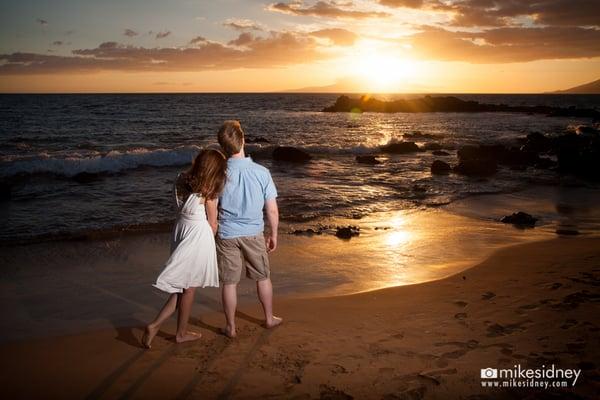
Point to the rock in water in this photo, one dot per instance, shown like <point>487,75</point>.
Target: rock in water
<point>520,219</point>
<point>347,232</point>
<point>259,139</point>
<point>476,167</point>
<point>371,160</point>
<point>400,147</point>
<point>291,154</point>
<point>440,167</point>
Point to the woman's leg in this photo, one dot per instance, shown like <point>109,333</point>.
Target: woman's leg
<point>153,327</point>
<point>185,309</point>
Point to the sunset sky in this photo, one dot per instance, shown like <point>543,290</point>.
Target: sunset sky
<point>257,45</point>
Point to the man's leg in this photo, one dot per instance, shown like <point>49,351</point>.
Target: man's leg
<point>265,295</point>
<point>229,298</point>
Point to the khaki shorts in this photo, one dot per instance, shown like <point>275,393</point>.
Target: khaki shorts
<point>235,254</point>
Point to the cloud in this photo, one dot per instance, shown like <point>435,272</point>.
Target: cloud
<point>42,22</point>
<point>198,39</point>
<point>472,13</point>
<point>338,36</point>
<point>162,35</point>
<point>242,24</point>
<point>130,33</point>
<point>507,44</point>
<point>243,39</point>
<point>326,9</point>
<point>275,50</point>
<point>402,3</point>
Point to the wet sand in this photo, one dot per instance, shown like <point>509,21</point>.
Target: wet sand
<point>532,304</point>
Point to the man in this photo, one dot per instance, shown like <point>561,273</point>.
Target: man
<point>240,241</point>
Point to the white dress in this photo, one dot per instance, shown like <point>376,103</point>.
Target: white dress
<point>193,260</point>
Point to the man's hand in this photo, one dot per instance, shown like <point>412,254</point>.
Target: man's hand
<point>271,242</point>
<point>273,221</point>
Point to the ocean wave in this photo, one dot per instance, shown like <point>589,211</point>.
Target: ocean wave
<point>111,162</point>
<point>93,162</point>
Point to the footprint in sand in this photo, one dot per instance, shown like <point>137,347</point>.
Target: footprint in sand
<point>464,348</point>
<point>496,329</point>
<point>488,295</point>
<point>460,316</point>
<point>569,323</point>
<point>461,303</point>
<point>331,393</point>
<point>573,300</point>
<point>338,369</point>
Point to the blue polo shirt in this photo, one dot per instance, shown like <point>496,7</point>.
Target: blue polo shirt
<point>241,204</point>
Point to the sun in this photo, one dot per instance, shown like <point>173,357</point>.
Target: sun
<point>382,69</point>
<point>386,73</point>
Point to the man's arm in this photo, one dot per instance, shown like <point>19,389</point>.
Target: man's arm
<point>273,223</point>
<point>212,211</point>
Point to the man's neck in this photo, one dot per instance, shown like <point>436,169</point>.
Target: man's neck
<point>241,154</point>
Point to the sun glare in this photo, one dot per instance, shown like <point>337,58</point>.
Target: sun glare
<point>383,71</point>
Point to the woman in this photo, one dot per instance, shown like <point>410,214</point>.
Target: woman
<point>193,260</point>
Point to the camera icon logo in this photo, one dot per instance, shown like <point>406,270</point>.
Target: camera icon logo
<point>489,373</point>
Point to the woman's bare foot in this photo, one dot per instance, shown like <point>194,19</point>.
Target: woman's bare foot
<point>188,337</point>
<point>148,336</point>
<point>275,321</point>
<point>229,332</point>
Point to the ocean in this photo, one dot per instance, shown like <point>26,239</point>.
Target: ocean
<point>71,164</point>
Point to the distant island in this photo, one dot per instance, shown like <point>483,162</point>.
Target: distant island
<point>448,104</point>
<point>587,88</point>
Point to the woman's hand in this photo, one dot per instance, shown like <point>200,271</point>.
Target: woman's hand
<point>212,211</point>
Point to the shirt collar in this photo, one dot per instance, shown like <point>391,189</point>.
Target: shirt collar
<point>238,161</point>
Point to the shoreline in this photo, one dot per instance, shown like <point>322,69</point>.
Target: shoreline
<point>58,288</point>
<point>429,344</point>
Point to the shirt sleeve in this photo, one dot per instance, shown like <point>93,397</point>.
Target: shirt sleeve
<point>270,191</point>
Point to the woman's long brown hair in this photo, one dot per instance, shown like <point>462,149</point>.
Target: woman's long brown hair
<point>207,174</point>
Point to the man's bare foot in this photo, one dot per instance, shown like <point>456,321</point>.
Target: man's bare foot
<point>148,336</point>
<point>187,337</point>
<point>275,321</point>
<point>229,332</point>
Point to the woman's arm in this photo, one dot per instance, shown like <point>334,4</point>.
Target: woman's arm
<point>212,211</point>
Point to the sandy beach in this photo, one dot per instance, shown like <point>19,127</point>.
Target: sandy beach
<point>533,304</point>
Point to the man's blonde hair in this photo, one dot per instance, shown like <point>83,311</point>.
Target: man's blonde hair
<point>231,137</point>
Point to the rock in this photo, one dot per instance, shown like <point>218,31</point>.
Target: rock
<point>567,232</point>
<point>476,167</point>
<point>586,130</point>
<point>432,146</point>
<point>307,232</point>
<point>347,232</point>
<point>440,153</point>
<point>449,104</point>
<point>537,143</point>
<point>439,167</point>
<point>520,219</point>
<point>371,160</point>
<point>259,139</point>
<point>545,163</point>
<point>420,135</point>
<point>290,154</point>
<point>578,155</point>
<point>395,147</point>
